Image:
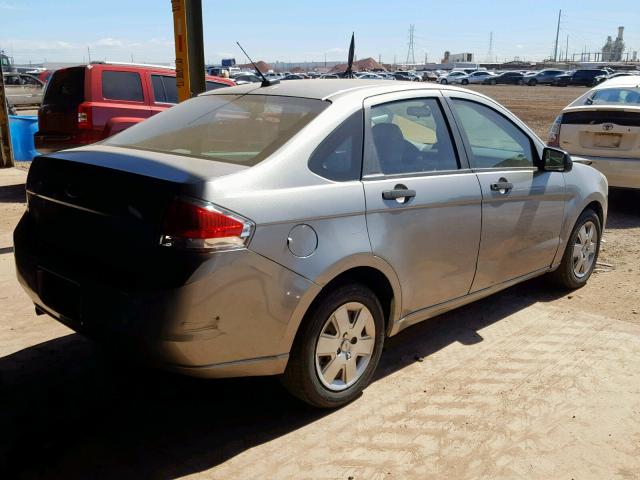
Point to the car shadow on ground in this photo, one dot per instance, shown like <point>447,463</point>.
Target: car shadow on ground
<point>624,209</point>
<point>13,193</point>
<point>69,410</point>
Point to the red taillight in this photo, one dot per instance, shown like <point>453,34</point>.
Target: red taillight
<point>84,117</point>
<point>196,224</point>
<point>554,133</point>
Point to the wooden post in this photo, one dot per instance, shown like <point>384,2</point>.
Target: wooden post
<point>6,154</point>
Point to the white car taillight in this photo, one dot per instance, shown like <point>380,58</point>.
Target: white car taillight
<point>554,132</point>
<point>194,224</point>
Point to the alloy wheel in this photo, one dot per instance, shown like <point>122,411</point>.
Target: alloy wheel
<point>584,249</point>
<point>345,346</point>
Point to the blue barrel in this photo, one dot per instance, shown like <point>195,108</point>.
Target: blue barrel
<point>22,129</point>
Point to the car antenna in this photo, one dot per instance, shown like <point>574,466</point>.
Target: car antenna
<point>349,71</point>
<point>265,81</point>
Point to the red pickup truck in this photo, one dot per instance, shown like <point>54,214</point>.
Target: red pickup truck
<point>88,103</point>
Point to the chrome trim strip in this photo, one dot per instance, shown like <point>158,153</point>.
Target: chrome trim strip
<point>67,204</point>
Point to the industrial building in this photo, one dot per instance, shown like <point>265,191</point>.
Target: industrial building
<point>612,50</point>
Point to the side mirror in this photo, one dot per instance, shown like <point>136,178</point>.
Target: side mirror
<point>555,160</point>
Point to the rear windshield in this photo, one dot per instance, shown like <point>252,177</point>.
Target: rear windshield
<point>241,129</point>
<point>66,87</point>
<point>615,95</point>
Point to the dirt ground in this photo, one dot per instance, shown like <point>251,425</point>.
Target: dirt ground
<point>529,383</point>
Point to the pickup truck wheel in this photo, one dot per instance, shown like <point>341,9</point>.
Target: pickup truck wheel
<point>337,348</point>
<point>581,254</point>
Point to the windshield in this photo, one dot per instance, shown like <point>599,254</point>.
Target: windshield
<point>615,95</point>
<point>241,129</point>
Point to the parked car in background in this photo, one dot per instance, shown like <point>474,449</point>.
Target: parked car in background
<point>602,127</point>
<point>329,75</point>
<point>505,78</point>
<point>253,231</point>
<point>429,76</point>
<point>543,77</point>
<point>407,76</point>
<point>450,77</point>
<point>293,76</point>
<point>242,78</point>
<point>474,78</point>
<point>23,89</point>
<point>88,103</point>
<point>45,75</point>
<point>370,76</point>
<point>604,78</point>
<point>584,77</point>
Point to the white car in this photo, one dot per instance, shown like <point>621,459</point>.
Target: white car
<point>474,77</point>
<point>602,129</point>
<point>450,77</point>
<point>23,89</point>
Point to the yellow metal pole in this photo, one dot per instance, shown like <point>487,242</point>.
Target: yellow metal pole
<point>183,82</point>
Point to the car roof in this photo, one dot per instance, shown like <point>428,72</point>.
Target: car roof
<point>630,81</point>
<point>330,90</point>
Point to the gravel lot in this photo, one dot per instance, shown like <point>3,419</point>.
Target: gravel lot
<point>529,383</point>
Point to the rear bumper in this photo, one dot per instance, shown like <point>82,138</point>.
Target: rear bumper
<point>620,172</point>
<point>230,318</point>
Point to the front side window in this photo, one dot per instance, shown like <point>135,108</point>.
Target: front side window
<point>122,86</point>
<point>410,136</point>
<point>339,156</point>
<point>495,141</point>
<point>240,129</point>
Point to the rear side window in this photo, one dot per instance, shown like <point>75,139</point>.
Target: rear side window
<point>495,141</point>
<point>339,156</point>
<point>122,86</point>
<point>240,129</point>
<point>165,89</point>
<point>65,87</point>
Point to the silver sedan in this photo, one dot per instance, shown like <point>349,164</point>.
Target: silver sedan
<point>290,229</point>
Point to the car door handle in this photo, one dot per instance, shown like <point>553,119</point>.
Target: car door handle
<point>502,186</point>
<point>398,193</point>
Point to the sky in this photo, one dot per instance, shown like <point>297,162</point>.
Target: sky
<point>299,31</point>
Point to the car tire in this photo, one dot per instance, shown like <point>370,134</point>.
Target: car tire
<point>464,82</point>
<point>493,82</point>
<point>581,253</point>
<point>533,82</point>
<point>304,377</point>
<point>520,82</point>
<point>443,81</point>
